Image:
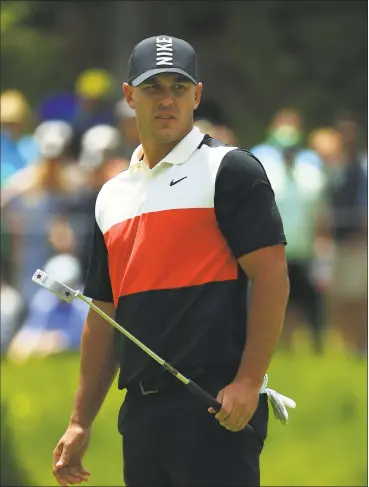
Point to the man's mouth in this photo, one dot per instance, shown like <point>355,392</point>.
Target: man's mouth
<point>165,117</point>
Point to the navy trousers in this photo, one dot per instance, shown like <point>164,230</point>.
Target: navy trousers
<point>170,440</point>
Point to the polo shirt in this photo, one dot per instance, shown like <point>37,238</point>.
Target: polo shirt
<point>166,243</point>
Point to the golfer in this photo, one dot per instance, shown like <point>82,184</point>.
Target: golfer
<point>189,256</point>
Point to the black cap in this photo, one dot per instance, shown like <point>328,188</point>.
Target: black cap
<point>161,54</point>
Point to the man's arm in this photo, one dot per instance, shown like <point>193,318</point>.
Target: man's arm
<point>267,271</point>
<point>98,366</point>
<point>249,219</point>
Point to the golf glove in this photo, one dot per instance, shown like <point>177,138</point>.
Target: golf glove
<point>278,401</point>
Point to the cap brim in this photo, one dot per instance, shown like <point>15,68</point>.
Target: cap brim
<point>152,72</point>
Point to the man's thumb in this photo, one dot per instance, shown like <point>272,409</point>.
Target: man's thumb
<point>64,457</point>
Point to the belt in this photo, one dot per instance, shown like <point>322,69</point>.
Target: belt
<point>166,381</point>
<point>162,382</point>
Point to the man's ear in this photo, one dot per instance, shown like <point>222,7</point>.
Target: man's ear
<point>198,91</point>
<point>128,92</point>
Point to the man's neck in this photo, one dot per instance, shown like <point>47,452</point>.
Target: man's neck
<point>153,152</point>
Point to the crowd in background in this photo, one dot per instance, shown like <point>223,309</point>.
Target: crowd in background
<point>55,159</point>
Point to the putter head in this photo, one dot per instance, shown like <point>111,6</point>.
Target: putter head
<point>63,292</point>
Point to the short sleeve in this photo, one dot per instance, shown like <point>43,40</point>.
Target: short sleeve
<point>98,285</point>
<point>245,206</point>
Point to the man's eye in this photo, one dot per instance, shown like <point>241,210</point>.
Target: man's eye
<point>179,87</point>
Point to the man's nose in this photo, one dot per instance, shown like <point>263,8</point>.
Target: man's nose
<point>166,98</point>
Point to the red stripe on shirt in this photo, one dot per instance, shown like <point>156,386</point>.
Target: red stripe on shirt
<point>167,249</point>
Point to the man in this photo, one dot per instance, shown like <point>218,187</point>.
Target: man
<point>176,237</point>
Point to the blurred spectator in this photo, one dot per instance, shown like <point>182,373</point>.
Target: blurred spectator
<point>32,198</point>
<point>285,130</point>
<point>348,197</point>
<point>206,127</point>
<point>221,132</point>
<point>210,109</point>
<point>52,325</point>
<point>127,126</point>
<point>299,190</point>
<point>211,116</point>
<point>18,147</point>
<point>89,105</point>
<point>99,162</point>
<point>99,144</point>
<point>226,134</point>
<point>328,144</point>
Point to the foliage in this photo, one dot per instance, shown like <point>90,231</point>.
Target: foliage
<point>254,57</point>
<point>323,445</point>
<point>30,57</point>
<point>308,55</point>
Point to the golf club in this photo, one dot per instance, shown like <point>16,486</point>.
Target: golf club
<point>68,294</point>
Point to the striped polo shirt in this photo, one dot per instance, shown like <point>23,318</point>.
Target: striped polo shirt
<point>165,251</point>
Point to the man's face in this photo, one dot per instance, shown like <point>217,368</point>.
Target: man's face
<point>164,106</point>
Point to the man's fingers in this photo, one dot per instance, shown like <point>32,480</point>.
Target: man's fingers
<point>69,475</point>
<point>71,479</point>
<point>227,406</point>
<point>235,420</point>
<point>230,423</point>
<point>219,398</point>
<point>239,425</point>
<point>64,457</point>
<point>60,477</point>
<point>56,453</point>
<point>79,472</point>
<point>241,421</point>
<point>58,471</point>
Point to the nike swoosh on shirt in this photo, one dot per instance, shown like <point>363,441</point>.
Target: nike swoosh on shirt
<point>172,183</point>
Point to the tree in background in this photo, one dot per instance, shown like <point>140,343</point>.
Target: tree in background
<point>31,57</point>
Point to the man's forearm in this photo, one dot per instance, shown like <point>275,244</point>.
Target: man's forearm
<point>98,367</point>
<point>266,311</point>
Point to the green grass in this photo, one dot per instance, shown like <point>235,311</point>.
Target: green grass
<point>324,444</point>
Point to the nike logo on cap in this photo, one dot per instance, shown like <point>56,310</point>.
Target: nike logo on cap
<point>164,51</point>
<point>172,183</point>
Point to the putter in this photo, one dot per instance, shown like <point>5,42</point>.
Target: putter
<point>68,294</point>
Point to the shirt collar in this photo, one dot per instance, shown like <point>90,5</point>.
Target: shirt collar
<point>178,155</point>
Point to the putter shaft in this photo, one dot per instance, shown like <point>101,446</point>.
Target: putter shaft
<point>68,294</point>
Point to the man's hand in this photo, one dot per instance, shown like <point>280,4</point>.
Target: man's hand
<point>67,456</point>
<point>239,404</point>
